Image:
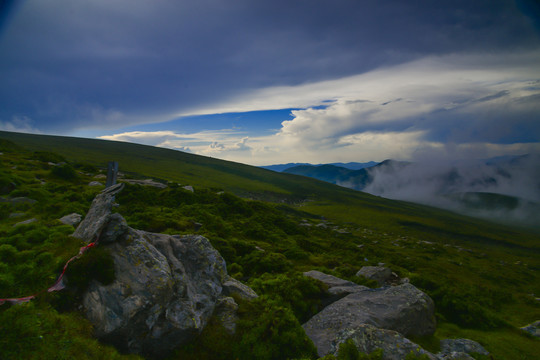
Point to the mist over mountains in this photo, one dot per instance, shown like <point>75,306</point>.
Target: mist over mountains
<point>503,188</point>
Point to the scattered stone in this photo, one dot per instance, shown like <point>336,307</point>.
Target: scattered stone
<point>378,273</point>
<point>368,338</point>
<point>26,222</point>
<point>19,200</point>
<point>449,346</point>
<point>95,183</point>
<point>166,287</point>
<point>231,287</point>
<point>258,248</point>
<point>401,308</point>
<point>188,188</point>
<point>100,176</point>
<point>147,182</point>
<point>71,219</point>
<point>329,280</point>
<point>322,225</point>
<point>533,329</point>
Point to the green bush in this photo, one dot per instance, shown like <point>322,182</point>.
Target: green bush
<point>46,156</point>
<point>64,171</point>
<point>7,253</point>
<point>259,262</point>
<point>268,330</point>
<point>348,351</point>
<point>303,295</point>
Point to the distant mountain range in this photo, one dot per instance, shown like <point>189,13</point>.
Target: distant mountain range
<point>349,165</point>
<point>351,175</point>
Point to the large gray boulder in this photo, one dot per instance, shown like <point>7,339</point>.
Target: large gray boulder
<point>402,308</point>
<point>368,338</point>
<point>166,287</point>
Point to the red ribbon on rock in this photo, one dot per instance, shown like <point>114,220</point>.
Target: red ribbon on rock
<point>58,285</point>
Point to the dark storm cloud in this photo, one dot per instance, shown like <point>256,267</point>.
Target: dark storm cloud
<point>65,63</point>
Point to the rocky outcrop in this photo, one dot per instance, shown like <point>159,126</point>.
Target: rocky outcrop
<point>380,319</point>
<point>402,308</point>
<point>166,287</point>
<point>368,338</point>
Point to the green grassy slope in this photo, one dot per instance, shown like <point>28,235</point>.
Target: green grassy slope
<point>483,276</point>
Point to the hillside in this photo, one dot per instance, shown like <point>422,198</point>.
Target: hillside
<point>482,276</point>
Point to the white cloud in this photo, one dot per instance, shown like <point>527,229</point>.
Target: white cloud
<point>398,112</point>
<point>446,80</point>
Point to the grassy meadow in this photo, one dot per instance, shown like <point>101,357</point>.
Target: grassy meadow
<point>269,227</point>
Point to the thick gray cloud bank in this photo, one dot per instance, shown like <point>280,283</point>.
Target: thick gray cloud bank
<point>66,63</point>
<point>467,187</point>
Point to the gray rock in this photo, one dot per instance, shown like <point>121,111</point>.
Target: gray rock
<point>466,346</point>
<point>368,338</point>
<point>19,200</point>
<point>95,183</point>
<point>98,215</point>
<point>188,188</point>
<point>71,219</point>
<point>402,308</point>
<point>226,313</point>
<point>329,280</point>
<point>533,329</point>
<point>16,215</point>
<point>146,182</point>
<point>232,287</point>
<point>26,222</point>
<point>342,291</point>
<point>378,273</point>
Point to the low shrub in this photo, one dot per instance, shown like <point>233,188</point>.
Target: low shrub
<point>303,295</point>
<point>268,330</point>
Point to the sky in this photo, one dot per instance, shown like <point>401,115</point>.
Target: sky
<point>273,81</point>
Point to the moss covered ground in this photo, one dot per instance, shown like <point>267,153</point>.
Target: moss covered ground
<point>270,228</point>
